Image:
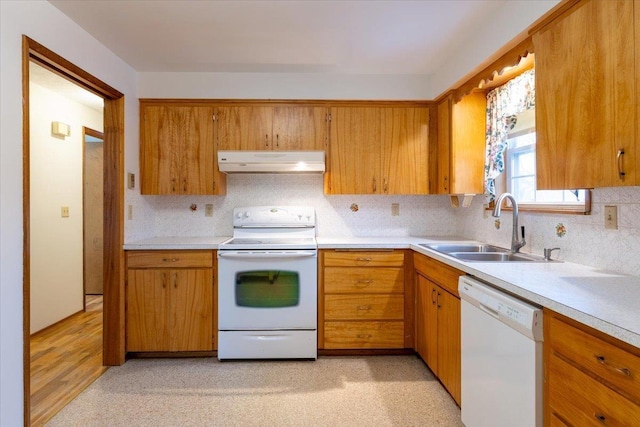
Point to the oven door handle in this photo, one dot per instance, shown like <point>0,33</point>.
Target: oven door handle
<point>266,254</point>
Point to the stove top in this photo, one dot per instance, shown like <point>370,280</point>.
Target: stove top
<point>272,227</point>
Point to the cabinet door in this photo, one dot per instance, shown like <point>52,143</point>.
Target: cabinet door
<point>405,151</point>
<point>147,308</point>
<point>423,301</point>
<point>431,325</point>
<point>449,342</point>
<point>585,95</point>
<point>299,128</point>
<point>176,149</point>
<point>467,151</point>
<point>191,310</point>
<point>444,146</point>
<point>354,159</point>
<point>244,128</point>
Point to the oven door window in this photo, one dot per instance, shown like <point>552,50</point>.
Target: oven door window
<point>267,289</point>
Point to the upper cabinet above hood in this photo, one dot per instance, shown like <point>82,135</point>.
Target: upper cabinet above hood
<point>271,161</point>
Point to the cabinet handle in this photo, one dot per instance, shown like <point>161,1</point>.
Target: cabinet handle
<point>600,418</point>
<point>445,184</point>
<point>175,280</point>
<point>360,259</point>
<point>621,173</point>
<point>375,185</point>
<point>384,185</point>
<point>184,185</point>
<point>277,140</point>
<point>170,259</point>
<point>173,185</point>
<point>603,361</point>
<point>164,280</point>
<point>438,300</point>
<point>365,307</point>
<point>363,283</point>
<point>266,140</point>
<point>364,336</point>
<point>433,299</point>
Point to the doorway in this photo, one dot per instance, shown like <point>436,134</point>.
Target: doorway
<point>92,210</point>
<point>113,190</point>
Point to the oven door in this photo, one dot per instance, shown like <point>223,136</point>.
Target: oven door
<point>267,290</point>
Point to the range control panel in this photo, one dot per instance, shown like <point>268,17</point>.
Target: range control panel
<point>274,216</point>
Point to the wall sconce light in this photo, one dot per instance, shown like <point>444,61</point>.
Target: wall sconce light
<point>60,129</point>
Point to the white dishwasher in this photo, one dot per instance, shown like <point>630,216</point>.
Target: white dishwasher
<point>501,358</point>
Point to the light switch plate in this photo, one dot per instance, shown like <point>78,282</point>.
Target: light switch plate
<point>611,217</point>
<point>131,181</point>
<point>64,211</point>
<point>208,209</point>
<point>395,209</point>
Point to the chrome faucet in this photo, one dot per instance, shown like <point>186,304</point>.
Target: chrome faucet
<point>516,244</point>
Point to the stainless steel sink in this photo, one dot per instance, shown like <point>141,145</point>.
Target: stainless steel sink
<point>449,248</point>
<point>496,257</point>
<point>481,252</point>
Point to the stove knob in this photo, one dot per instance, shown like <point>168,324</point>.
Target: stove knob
<point>247,214</point>
<point>239,215</point>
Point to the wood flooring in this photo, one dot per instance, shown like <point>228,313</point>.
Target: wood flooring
<point>65,358</point>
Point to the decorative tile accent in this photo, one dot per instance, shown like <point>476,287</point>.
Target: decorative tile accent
<point>561,230</point>
<point>354,207</point>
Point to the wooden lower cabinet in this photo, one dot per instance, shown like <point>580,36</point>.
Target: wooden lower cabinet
<point>169,309</point>
<point>362,300</point>
<point>590,379</point>
<point>438,321</point>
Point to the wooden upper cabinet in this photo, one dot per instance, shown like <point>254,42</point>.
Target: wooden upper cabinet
<point>586,96</point>
<point>285,128</point>
<point>299,128</point>
<point>354,155</point>
<point>177,150</point>
<point>461,144</point>
<point>405,151</point>
<point>244,128</point>
<point>378,150</point>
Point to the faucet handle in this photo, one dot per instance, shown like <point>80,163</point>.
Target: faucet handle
<point>547,253</point>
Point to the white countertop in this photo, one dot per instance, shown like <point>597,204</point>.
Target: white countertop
<point>606,301</point>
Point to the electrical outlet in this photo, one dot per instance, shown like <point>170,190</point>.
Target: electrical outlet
<point>208,209</point>
<point>131,181</point>
<point>64,212</point>
<point>395,209</point>
<point>611,217</point>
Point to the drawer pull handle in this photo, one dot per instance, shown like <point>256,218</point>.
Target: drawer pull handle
<point>363,283</point>
<point>364,307</point>
<point>623,371</point>
<point>170,259</point>
<point>621,173</point>
<point>600,418</point>
<point>367,259</point>
<point>363,336</point>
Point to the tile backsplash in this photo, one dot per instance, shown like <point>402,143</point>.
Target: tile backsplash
<point>586,240</point>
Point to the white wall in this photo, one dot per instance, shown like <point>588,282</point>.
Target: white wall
<point>586,241</point>
<point>56,180</point>
<point>47,25</point>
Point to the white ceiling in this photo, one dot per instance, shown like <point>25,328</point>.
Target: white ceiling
<point>296,36</point>
<point>49,80</point>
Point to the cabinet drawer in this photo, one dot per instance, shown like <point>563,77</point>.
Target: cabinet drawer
<point>364,307</point>
<point>169,259</point>
<point>436,271</point>
<point>363,280</point>
<point>357,335</point>
<point>616,366</point>
<point>363,259</point>
<point>582,401</point>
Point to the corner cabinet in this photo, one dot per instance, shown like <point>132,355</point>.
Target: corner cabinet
<point>363,299</point>
<point>587,96</point>
<point>461,144</point>
<point>169,301</point>
<point>438,321</point>
<point>177,152</point>
<point>378,150</point>
<point>590,379</point>
<point>276,127</point>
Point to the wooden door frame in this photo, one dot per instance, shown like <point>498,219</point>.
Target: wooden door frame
<point>113,330</point>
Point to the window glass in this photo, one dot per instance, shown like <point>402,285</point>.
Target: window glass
<point>267,289</point>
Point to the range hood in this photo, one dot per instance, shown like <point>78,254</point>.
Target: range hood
<point>271,161</point>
